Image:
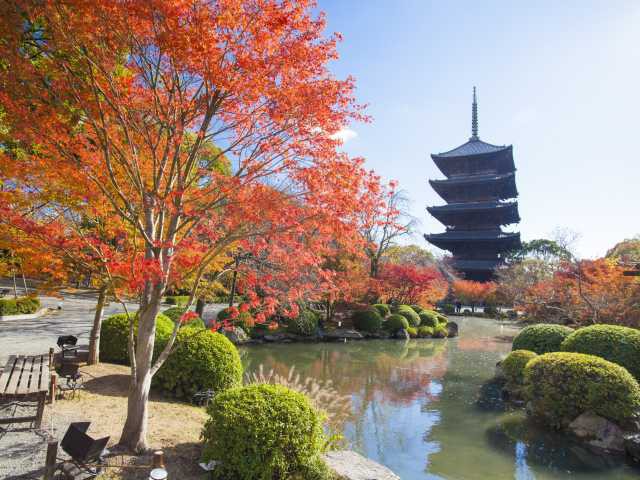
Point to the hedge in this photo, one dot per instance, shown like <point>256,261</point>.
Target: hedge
<point>19,306</point>
<point>409,313</point>
<point>114,337</point>
<point>382,308</point>
<point>200,360</point>
<point>563,385</point>
<point>367,320</point>
<point>429,318</point>
<point>425,332</point>
<point>179,300</point>
<point>513,365</point>
<point>617,344</point>
<point>417,308</point>
<point>395,322</point>
<point>541,338</point>
<point>440,331</point>
<point>413,332</point>
<point>261,432</point>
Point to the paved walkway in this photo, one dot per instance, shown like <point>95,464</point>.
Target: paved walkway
<point>75,317</point>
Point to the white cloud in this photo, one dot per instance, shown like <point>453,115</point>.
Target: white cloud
<point>344,135</point>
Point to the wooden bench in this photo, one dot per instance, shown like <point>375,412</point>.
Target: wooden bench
<point>25,379</point>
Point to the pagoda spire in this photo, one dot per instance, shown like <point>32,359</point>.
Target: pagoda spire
<point>474,117</point>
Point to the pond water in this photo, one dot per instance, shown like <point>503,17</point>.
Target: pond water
<point>424,407</point>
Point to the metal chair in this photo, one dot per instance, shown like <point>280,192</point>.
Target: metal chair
<point>203,397</point>
<point>73,379</point>
<point>68,344</point>
<point>86,453</point>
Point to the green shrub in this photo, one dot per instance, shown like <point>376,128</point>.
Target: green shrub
<point>440,331</point>
<point>416,308</point>
<point>413,332</point>
<point>541,338</point>
<point>395,322</point>
<point>261,432</point>
<point>19,306</point>
<point>367,320</point>
<point>617,344</point>
<point>115,334</point>
<point>200,360</point>
<point>513,365</point>
<point>448,308</point>
<point>425,332</point>
<point>8,307</point>
<point>429,318</point>
<point>382,308</point>
<point>491,310</point>
<point>412,317</point>
<point>305,324</point>
<point>179,300</point>
<point>562,385</point>
<point>442,319</point>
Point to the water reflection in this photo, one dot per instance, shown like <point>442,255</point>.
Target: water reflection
<point>427,409</point>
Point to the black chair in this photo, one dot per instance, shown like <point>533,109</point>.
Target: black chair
<point>73,379</point>
<point>68,344</point>
<point>203,397</point>
<point>85,452</point>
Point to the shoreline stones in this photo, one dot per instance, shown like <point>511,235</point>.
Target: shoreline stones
<point>598,432</point>
<point>349,465</point>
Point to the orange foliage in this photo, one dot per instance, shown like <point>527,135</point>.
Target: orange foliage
<point>473,293</point>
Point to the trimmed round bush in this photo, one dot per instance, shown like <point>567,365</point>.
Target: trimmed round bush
<point>541,338</point>
<point>429,318</point>
<point>416,308</point>
<point>407,312</point>
<point>367,320</point>
<point>200,360</point>
<point>395,322</point>
<point>440,331</point>
<point>413,332</point>
<point>114,337</point>
<point>382,308</point>
<point>425,332</point>
<point>513,365</point>
<point>442,319</point>
<point>305,324</point>
<point>563,385</point>
<point>261,432</point>
<point>617,344</point>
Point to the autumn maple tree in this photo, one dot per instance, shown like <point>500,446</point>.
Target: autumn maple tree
<point>112,104</point>
<point>471,292</point>
<point>410,284</point>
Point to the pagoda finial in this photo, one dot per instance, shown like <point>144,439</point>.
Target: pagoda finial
<point>474,117</point>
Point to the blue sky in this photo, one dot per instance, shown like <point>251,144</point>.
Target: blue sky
<point>558,80</point>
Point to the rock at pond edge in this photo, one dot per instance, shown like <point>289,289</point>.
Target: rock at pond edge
<point>349,465</point>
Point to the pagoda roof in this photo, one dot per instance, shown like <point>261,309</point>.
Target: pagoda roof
<point>473,213</point>
<point>474,179</point>
<point>454,238</point>
<point>474,146</point>
<point>474,207</point>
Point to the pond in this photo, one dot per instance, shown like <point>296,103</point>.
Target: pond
<point>424,407</point>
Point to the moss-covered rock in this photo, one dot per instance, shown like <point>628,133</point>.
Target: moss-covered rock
<point>429,318</point>
<point>413,332</point>
<point>617,344</point>
<point>562,385</point>
<point>440,331</point>
<point>541,338</point>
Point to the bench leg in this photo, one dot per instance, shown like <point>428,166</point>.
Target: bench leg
<point>40,411</point>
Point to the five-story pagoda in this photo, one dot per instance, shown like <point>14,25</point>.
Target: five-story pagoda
<point>480,189</point>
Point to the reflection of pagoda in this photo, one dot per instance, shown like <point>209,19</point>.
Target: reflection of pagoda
<point>478,190</point>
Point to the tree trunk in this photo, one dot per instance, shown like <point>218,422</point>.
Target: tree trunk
<point>232,294</point>
<point>200,307</point>
<point>94,339</point>
<point>15,286</point>
<point>134,433</point>
<point>24,282</point>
